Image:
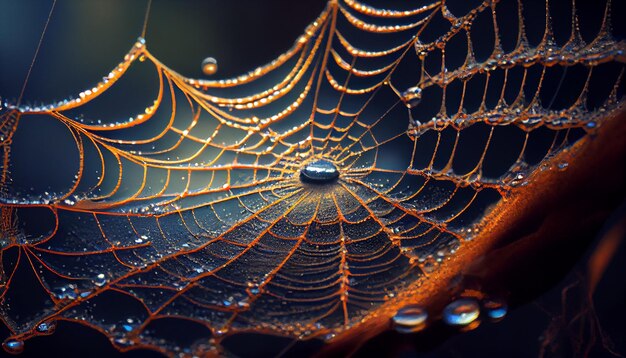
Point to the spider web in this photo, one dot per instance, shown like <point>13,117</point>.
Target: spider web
<point>191,210</point>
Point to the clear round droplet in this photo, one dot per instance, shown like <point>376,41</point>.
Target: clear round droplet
<point>13,346</point>
<point>209,66</point>
<point>461,312</point>
<point>319,172</point>
<point>495,308</point>
<point>410,319</point>
<point>100,280</point>
<point>412,97</point>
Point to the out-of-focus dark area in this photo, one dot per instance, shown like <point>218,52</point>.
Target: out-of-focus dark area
<point>86,39</point>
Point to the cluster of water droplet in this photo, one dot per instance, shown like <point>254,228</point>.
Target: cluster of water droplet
<point>463,313</point>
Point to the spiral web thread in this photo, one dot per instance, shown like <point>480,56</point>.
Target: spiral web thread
<point>193,210</point>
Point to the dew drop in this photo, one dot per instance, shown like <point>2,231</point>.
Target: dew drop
<point>123,342</point>
<point>409,319</point>
<point>13,346</point>
<point>412,97</point>
<point>495,309</point>
<point>47,327</point>
<point>254,290</point>
<point>461,312</point>
<point>319,172</point>
<point>221,332</point>
<point>329,336</point>
<point>209,66</point>
<point>100,280</point>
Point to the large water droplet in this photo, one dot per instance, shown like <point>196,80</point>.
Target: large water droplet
<point>412,97</point>
<point>13,346</point>
<point>100,280</point>
<point>495,308</point>
<point>410,319</point>
<point>209,66</point>
<point>461,312</point>
<point>319,172</point>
